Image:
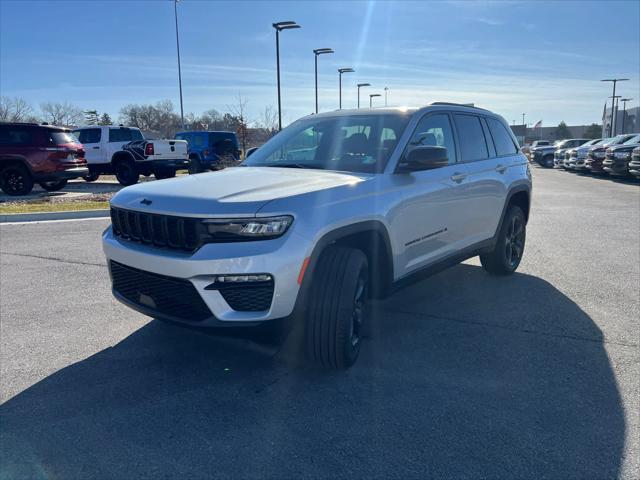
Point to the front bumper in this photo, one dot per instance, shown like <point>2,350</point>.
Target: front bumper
<point>282,258</point>
<point>615,166</point>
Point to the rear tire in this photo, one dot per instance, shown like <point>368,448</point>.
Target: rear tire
<point>509,248</point>
<point>126,172</point>
<point>53,186</point>
<point>162,174</point>
<point>15,180</point>
<point>337,306</point>
<point>194,165</point>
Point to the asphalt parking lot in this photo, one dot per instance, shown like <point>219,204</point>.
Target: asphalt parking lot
<point>465,376</point>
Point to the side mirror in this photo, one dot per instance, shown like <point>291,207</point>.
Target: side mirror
<point>425,158</point>
<point>250,151</point>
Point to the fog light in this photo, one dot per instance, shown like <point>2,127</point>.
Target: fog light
<point>263,277</point>
<point>222,281</point>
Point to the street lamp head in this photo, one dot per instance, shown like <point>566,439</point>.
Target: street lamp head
<point>285,25</point>
<point>320,51</point>
<point>374,95</point>
<point>626,99</point>
<point>346,70</point>
<point>364,85</point>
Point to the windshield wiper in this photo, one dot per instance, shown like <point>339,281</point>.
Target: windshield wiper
<point>291,165</point>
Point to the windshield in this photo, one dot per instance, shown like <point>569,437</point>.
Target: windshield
<point>355,143</point>
<point>632,140</point>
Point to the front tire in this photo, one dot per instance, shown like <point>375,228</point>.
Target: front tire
<point>335,317</point>
<point>15,180</point>
<point>509,248</point>
<point>126,173</point>
<point>547,162</point>
<point>53,186</point>
<point>92,177</point>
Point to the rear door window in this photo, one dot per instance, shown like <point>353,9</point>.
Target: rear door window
<point>501,138</point>
<point>88,135</point>
<point>124,135</point>
<point>473,145</point>
<point>15,136</point>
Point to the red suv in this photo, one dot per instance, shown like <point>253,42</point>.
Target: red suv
<point>45,154</point>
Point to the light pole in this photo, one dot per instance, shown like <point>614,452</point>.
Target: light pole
<point>523,120</point>
<point>279,26</point>
<point>386,93</point>
<point>361,85</point>
<point>319,51</point>
<point>341,71</point>
<point>614,110</point>
<point>175,11</point>
<point>624,110</point>
<point>614,81</point>
<point>371,98</point>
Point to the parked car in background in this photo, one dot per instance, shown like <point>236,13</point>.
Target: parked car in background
<point>336,209</point>
<point>123,151</point>
<point>43,154</point>
<point>617,158</point>
<point>574,157</point>
<point>596,154</point>
<point>562,147</point>
<point>634,164</point>
<point>211,150</point>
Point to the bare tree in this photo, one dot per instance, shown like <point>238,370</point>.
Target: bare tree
<point>159,118</point>
<point>16,110</point>
<point>61,113</point>
<point>238,110</point>
<point>269,120</point>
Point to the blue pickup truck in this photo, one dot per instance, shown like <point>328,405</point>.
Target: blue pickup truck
<point>210,150</point>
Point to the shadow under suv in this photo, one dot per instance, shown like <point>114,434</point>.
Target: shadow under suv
<point>336,209</point>
<point>45,154</point>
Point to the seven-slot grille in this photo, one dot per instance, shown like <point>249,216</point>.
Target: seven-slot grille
<point>159,230</point>
<point>169,296</point>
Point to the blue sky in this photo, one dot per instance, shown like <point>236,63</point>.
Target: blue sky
<point>542,58</point>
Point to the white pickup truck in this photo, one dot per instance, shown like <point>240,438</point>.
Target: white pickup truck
<point>123,151</point>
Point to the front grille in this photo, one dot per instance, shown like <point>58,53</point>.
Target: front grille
<point>168,296</point>
<point>247,297</point>
<point>158,230</point>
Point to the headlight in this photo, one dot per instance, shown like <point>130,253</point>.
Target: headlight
<point>622,154</point>
<point>245,229</point>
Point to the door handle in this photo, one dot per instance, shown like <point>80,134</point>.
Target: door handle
<point>458,177</point>
<point>501,169</point>
<point>96,148</point>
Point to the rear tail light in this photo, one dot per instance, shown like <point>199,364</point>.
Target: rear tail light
<point>148,149</point>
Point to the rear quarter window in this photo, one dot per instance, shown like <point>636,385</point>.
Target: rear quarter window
<point>501,138</point>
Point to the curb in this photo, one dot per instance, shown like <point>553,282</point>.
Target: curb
<point>44,216</point>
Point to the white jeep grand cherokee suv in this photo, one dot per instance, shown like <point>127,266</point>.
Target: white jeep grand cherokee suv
<point>336,209</point>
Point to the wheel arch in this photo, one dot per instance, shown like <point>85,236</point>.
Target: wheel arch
<point>121,156</point>
<point>7,160</point>
<point>519,195</point>
<point>372,238</point>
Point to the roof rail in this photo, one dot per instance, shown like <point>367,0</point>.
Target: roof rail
<point>468,105</point>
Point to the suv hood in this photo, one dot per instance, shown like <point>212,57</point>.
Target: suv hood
<point>239,191</point>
